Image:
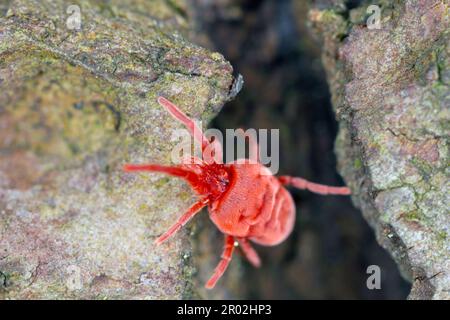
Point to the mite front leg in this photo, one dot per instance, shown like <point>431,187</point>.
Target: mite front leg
<point>174,171</point>
<point>195,131</point>
<point>211,150</point>
<point>249,252</point>
<point>193,210</point>
<point>301,183</point>
<point>224,262</point>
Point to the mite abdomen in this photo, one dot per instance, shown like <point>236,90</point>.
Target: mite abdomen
<point>255,206</point>
<point>279,225</point>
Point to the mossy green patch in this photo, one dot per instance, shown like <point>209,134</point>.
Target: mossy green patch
<point>357,164</point>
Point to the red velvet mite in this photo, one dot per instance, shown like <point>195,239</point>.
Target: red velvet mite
<point>245,201</point>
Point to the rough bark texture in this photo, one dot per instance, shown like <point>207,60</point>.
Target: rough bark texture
<point>75,105</point>
<point>390,90</point>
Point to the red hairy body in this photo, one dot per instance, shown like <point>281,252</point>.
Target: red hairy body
<point>255,206</point>
<point>245,201</point>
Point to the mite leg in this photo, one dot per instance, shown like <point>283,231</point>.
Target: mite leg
<point>170,170</point>
<point>249,252</point>
<point>195,131</point>
<point>192,211</point>
<point>224,262</point>
<point>301,183</point>
<point>213,153</point>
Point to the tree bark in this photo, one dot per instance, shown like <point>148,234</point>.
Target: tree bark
<point>390,90</point>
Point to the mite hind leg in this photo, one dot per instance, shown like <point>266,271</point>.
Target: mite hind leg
<point>301,183</point>
<point>249,252</point>
<point>224,262</point>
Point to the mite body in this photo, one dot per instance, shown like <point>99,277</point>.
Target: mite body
<point>245,201</point>
<point>255,205</point>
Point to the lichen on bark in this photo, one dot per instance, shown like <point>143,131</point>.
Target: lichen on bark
<point>75,105</point>
<point>390,91</point>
